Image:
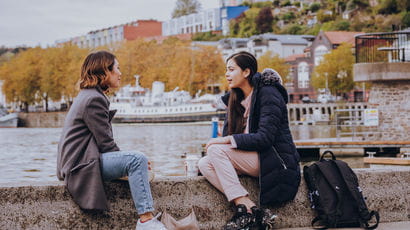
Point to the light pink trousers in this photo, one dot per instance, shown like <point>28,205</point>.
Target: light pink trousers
<point>222,165</point>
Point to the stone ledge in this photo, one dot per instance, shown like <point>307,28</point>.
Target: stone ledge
<point>381,71</point>
<point>49,206</point>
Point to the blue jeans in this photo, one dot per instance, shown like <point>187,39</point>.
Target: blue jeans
<point>119,164</point>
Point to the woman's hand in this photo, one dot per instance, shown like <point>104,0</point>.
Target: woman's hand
<point>218,140</point>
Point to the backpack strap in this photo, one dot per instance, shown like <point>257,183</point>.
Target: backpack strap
<point>350,178</point>
<point>327,175</point>
<point>311,184</point>
<point>325,152</point>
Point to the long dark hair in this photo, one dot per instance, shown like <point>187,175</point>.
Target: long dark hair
<point>236,122</point>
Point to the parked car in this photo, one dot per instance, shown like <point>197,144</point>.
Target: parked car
<point>325,98</point>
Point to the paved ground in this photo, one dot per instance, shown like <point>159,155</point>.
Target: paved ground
<point>405,225</point>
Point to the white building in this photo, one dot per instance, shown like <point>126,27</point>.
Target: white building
<point>97,38</point>
<point>258,45</point>
<point>283,45</point>
<point>223,3</point>
<point>204,21</point>
<point>229,46</point>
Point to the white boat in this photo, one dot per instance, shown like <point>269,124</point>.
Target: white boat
<point>137,104</point>
<point>9,120</point>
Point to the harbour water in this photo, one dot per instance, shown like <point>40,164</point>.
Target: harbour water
<point>29,154</point>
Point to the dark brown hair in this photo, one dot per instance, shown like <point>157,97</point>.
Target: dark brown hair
<point>236,122</point>
<point>95,68</point>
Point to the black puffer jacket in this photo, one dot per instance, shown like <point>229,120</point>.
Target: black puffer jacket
<point>279,175</point>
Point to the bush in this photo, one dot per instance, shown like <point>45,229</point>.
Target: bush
<point>341,25</point>
<point>288,16</point>
<point>293,29</point>
<point>286,3</point>
<point>406,19</point>
<point>315,7</point>
<point>322,17</point>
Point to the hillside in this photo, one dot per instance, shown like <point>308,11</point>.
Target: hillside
<point>311,16</point>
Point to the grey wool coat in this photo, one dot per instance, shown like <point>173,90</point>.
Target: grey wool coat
<point>86,134</point>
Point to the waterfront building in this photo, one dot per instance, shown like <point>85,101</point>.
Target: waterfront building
<point>210,20</point>
<point>203,21</point>
<point>223,3</point>
<point>282,45</point>
<point>302,65</point>
<point>229,46</point>
<point>228,13</point>
<point>325,41</point>
<point>299,87</point>
<point>111,35</point>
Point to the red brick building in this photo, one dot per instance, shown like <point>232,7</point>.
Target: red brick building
<point>142,29</point>
<point>111,35</point>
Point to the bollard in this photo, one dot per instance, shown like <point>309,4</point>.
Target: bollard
<point>214,127</point>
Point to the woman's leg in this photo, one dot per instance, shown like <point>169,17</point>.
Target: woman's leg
<point>221,166</point>
<point>115,165</point>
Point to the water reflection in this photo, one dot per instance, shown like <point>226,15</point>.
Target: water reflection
<point>29,154</point>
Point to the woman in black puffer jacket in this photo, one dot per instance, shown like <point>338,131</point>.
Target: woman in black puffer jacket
<point>256,141</point>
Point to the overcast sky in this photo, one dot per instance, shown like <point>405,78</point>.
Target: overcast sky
<point>42,22</point>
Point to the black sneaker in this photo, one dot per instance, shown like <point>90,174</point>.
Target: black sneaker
<point>242,220</point>
<point>264,218</point>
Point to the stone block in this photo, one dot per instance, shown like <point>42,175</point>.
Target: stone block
<point>49,206</point>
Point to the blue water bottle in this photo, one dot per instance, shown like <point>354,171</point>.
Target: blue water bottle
<point>214,127</point>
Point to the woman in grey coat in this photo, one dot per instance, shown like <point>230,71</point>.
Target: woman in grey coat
<point>87,152</point>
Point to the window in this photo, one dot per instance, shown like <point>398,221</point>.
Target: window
<point>319,52</point>
<point>303,75</point>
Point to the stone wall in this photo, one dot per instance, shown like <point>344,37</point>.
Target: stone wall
<point>390,94</point>
<point>392,99</point>
<point>49,206</point>
<point>42,120</point>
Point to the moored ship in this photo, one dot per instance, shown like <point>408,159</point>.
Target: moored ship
<point>135,104</point>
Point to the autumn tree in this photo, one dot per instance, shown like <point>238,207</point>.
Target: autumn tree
<point>60,71</point>
<point>337,69</point>
<point>273,61</point>
<point>209,68</point>
<point>176,63</point>
<point>264,20</point>
<point>21,77</point>
<point>185,7</point>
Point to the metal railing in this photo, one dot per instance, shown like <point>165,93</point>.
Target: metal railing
<point>383,47</point>
<point>351,123</point>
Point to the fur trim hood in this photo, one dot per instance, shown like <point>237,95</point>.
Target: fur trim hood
<point>270,77</point>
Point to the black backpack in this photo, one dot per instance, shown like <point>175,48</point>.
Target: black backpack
<point>335,194</point>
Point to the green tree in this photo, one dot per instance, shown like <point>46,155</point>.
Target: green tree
<point>264,20</point>
<point>388,7</point>
<point>185,7</point>
<point>336,68</point>
<point>247,25</point>
<point>314,7</point>
<point>406,19</point>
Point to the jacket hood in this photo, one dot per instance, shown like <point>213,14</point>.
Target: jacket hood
<point>270,77</point>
